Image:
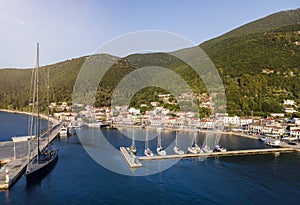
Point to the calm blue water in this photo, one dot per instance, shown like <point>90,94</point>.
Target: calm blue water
<point>78,179</point>
<point>13,124</point>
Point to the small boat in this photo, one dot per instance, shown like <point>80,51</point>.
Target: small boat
<point>160,150</point>
<point>63,132</point>
<point>147,150</point>
<point>262,138</point>
<point>194,149</point>
<point>273,143</point>
<point>176,149</point>
<point>132,147</point>
<point>219,148</point>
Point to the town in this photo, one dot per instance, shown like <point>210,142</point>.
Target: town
<point>284,126</point>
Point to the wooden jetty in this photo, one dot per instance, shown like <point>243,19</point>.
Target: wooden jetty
<point>130,158</point>
<point>212,154</point>
<point>15,167</point>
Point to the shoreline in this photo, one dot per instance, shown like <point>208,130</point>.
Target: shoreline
<point>51,119</point>
<point>190,130</point>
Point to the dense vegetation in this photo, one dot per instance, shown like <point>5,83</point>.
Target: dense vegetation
<point>259,64</point>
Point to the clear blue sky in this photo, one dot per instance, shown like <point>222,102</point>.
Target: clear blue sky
<point>74,28</point>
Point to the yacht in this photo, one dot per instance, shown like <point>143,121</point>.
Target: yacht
<point>176,149</point>
<point>206,149</point>
<point>219,148</point>
<point>194,149</point>
<point>46,158</point>
<point>147,150</point>
<point>160,150</point>
<point>132,147</point>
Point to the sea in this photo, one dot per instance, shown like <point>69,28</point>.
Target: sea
<point>85,174</point>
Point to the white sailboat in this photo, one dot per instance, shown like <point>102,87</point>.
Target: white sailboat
<point>45,159</point>
<point>194,149</point>
<point>147,150</point>
<point>176,149</point>
<point>132,147</point>
<point>219,148</point>
<point>160,150</point>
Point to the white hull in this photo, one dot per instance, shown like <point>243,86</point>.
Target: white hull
<point>177,150</point>
<point>148,152</point>
<point>161,151</point>
<point>194,150</point>
<point>219,148</point>
<point>206,149</point>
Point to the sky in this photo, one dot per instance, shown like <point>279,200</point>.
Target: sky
<point>67,29</point>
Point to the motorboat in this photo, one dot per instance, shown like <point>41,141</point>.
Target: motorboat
<point>63,132</point>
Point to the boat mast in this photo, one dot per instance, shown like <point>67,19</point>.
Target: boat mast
<point>48,103</point>
<point>146,143</point>
<point>133,143</point>
<point>176,138</point>
<point>37,101</point>
<point>159,139</point>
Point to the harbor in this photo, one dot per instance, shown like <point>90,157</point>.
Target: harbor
<point>15,157</point>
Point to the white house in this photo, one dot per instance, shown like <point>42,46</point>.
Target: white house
<point>289,102</point>
<point>295,132</point>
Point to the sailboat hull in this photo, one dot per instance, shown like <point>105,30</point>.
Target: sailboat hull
<point>38,171</point>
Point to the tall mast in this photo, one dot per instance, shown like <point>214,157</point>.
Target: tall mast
<point>159,139</point>
<point>176,138</point>
<point>146,143</point>
<point>48,103</point>
<point>133,143</point>
<point>37,101</point>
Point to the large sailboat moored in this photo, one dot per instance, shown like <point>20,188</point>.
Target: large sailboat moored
<point>46,158</point>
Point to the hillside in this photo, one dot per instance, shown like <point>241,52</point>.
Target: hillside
<point>258,62</point>
<point>268,23</point>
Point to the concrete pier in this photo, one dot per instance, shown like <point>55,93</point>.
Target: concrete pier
<point>14,167</point>
<point>215,154</point>
<point>130,158</point>
<point>212,154</point>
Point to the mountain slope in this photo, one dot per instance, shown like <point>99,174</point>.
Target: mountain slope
<point>268,23</point>
<point>258,62</point>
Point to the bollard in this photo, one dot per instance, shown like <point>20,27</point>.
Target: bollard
<point>6,176</point>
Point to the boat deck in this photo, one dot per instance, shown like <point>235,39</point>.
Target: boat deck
<point>17,166</point>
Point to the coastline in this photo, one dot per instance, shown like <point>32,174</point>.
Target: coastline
<point>51,119</point>
<point>120,126</point>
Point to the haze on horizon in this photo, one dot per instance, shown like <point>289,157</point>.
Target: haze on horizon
<point>68,29</point>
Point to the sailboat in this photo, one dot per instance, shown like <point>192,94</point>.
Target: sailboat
<point>176,149</point>
<point>194,149</point>
<point>160,150</point>
<point>45,159</point>
<point>132,147</point>
<point>147,150</point>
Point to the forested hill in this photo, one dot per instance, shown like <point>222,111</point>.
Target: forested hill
<point>258,62</point>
